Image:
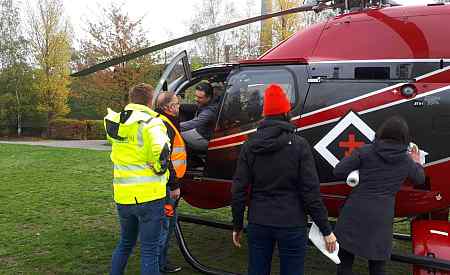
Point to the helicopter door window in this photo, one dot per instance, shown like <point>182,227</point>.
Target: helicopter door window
<point>175,75</point>
<point>243,103</point>
<point>175,72</point>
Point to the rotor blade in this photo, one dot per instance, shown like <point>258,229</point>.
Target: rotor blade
<point>127,57</point>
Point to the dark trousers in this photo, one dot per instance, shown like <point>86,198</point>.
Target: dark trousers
<point>291,244</point>
<point>143,220</point>
<point>347,258</point>
<point>167,229</point>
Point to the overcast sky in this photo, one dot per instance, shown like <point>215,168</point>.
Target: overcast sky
<point>164,20</point>
<point>161,17</point>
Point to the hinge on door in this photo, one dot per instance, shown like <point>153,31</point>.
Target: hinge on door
<point>315,80</point>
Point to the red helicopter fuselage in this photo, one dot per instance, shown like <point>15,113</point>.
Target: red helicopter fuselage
<point>344,77</point>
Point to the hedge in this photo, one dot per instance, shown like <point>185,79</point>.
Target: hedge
<point>95,129</point>
<point>76,129</point>
<point>67,129</point>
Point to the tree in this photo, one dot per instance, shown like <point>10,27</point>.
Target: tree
<point>245,40</point>
<point>50,44</point>
<point>13,52</point>
<point>280,28</point>
<point>32,120</point>
<point>112,34</point>
<point>266,27</point>
<point>12,43</point>
<point>225,46</point>
<point>285,26</point>
<point>212,13</point>
<point>310,18</point>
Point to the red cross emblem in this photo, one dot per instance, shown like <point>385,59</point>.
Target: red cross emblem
<point>351,144</point>
<point>334,137</point>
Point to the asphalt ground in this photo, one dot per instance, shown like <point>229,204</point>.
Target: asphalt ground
<point>99,145</point>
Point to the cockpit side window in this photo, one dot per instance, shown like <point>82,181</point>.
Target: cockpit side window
<point>243,103</point>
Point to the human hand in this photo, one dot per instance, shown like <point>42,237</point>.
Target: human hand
<point>330,242</point>
<point>237,238</point>
<point>175,194</point>
<point>414,153</point>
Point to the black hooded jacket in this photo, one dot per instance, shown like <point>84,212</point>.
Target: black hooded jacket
<point>276,166</point>
<point>203,121</point>
<point>364,227</point>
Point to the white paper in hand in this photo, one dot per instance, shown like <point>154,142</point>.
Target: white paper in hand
<point>317,239</point>
<point>353,178</point>
<point>422,153</point>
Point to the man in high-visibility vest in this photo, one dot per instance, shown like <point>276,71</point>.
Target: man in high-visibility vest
<point>168,105</point>
<point>141,157</point>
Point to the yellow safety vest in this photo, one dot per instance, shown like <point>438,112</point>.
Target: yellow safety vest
<point>139,143</point>
<point>178,155</point>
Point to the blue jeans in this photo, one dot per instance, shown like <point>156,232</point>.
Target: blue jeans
<point>291,244</point>
<point>168,226</point>
<point>144,220</point>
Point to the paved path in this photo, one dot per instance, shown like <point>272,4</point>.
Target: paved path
<point>98,145</point>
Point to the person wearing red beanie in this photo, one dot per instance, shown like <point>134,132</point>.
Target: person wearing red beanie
<point>277,167</point>
<point>276,101</point>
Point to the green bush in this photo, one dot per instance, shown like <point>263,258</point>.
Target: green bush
<point>67,129</point>
<point>5,131</point>
<point>95,129</point>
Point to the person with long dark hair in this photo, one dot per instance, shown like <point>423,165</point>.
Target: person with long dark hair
<point>276,169</point>
<point>364,227</point>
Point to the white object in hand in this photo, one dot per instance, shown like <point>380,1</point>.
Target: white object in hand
<point>353,178</point>
<point>422,154</point>
<point>317,239</point>
<point>413,147</point>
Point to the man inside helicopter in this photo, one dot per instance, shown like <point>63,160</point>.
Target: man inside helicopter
<point>198,131</point>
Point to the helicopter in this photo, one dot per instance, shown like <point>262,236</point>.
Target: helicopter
<point>344,77</point>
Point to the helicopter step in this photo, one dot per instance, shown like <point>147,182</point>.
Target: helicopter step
<point>431,239</point>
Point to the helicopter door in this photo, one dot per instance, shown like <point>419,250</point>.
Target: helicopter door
<point>177,72</point>
<point>241,111</point>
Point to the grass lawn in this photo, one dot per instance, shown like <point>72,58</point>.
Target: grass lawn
<point>58,217</point>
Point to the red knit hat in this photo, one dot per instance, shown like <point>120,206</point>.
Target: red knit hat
<point>275,101</point>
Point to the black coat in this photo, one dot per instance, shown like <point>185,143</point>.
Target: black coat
<point>364,227</point>
<point>278,167</point>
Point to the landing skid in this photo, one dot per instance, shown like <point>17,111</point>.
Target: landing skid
<point>427,262</point>
<point>188,255</point>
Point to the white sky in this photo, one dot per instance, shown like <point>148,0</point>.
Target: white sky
<point>164,19</point>
<point>161,17</point>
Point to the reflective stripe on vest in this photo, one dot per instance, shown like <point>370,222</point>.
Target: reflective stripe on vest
<point>178,155</point>
<point>141,132</point>
<point>130,167</point>
<point>137,180</point>
<point>178,162</point>
<point>178,149</point>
